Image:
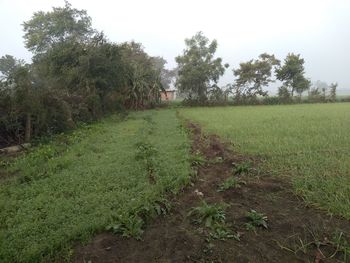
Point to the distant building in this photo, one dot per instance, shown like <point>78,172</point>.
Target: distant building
<point>168,95</point>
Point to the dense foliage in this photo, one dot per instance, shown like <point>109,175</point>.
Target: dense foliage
<point>252,76</point>
<point>198,70</point>
<point>292,75</point>
<point>77,75</point>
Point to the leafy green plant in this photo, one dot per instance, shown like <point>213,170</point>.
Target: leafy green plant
<point>129,226</point>
<point>242,168</point>
<point>152,210</point>
<point>256,220</point>
<point>231,182</point>
<point>213,217</point>
<point>209,214</point>
<point>222,232</point>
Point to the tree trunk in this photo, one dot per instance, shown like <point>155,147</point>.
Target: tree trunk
<point>28,128</point>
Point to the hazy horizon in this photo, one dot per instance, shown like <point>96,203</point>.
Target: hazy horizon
<point>318,30</point>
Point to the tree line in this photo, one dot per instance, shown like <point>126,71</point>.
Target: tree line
<point>77,75</point>
<point>199,72</point>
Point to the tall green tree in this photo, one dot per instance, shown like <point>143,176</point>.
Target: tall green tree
<point>8,65</point>
<point>144,76</point>
<point>17,89</point>
<point>198,69</point>
<point>292,74</point>
<point>284,94</point>
<point>26,98</point>
<point>253,76</point>
<point>46,29</point>
<point>333,91</point>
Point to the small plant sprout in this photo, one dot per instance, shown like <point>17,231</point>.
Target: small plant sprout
<point>256,220</point>
<point>130,227</point>
<point>222,232</point>
<point>231,182</point>
<point>242,168</point>
<point>198,159</point>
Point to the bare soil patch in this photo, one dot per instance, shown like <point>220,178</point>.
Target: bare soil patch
<point>295,233</point>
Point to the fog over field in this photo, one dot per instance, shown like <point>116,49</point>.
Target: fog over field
<point>318,30</point>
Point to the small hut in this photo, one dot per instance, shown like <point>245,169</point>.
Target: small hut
<point>168,95</point>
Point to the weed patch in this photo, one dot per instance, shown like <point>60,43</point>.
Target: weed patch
<point>231,182</point>
<point>256,220</point>
<point>212,216</point>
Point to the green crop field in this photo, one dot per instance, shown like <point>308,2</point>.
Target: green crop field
<point>98,176</point>
<point>308,143</point>
<point>116,173</point>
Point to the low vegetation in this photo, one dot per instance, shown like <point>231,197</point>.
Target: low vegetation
<point>307,143</point>
<point>213,217</point>
<point>77,75</point>
<point>256,219</point>
<point>231,182</point>
<point>114,174</point>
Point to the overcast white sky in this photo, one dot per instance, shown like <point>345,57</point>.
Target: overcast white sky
<point>317,29</point>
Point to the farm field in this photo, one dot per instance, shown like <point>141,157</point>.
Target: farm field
<point>106,174</point>
<point>308,143</point>
<point>114,148</point>
<point>101,193</point>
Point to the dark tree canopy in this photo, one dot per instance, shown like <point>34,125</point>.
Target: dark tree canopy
<point>8,65</point>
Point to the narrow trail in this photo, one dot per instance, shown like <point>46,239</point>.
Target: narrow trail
<point>295,233</point>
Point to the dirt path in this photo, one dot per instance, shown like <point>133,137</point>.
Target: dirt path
<point>295,233</point>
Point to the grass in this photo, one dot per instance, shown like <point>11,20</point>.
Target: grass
<point>112,174</point>
<point>310,143</point>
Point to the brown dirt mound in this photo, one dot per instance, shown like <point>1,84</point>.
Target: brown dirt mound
<point>296,233</point>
